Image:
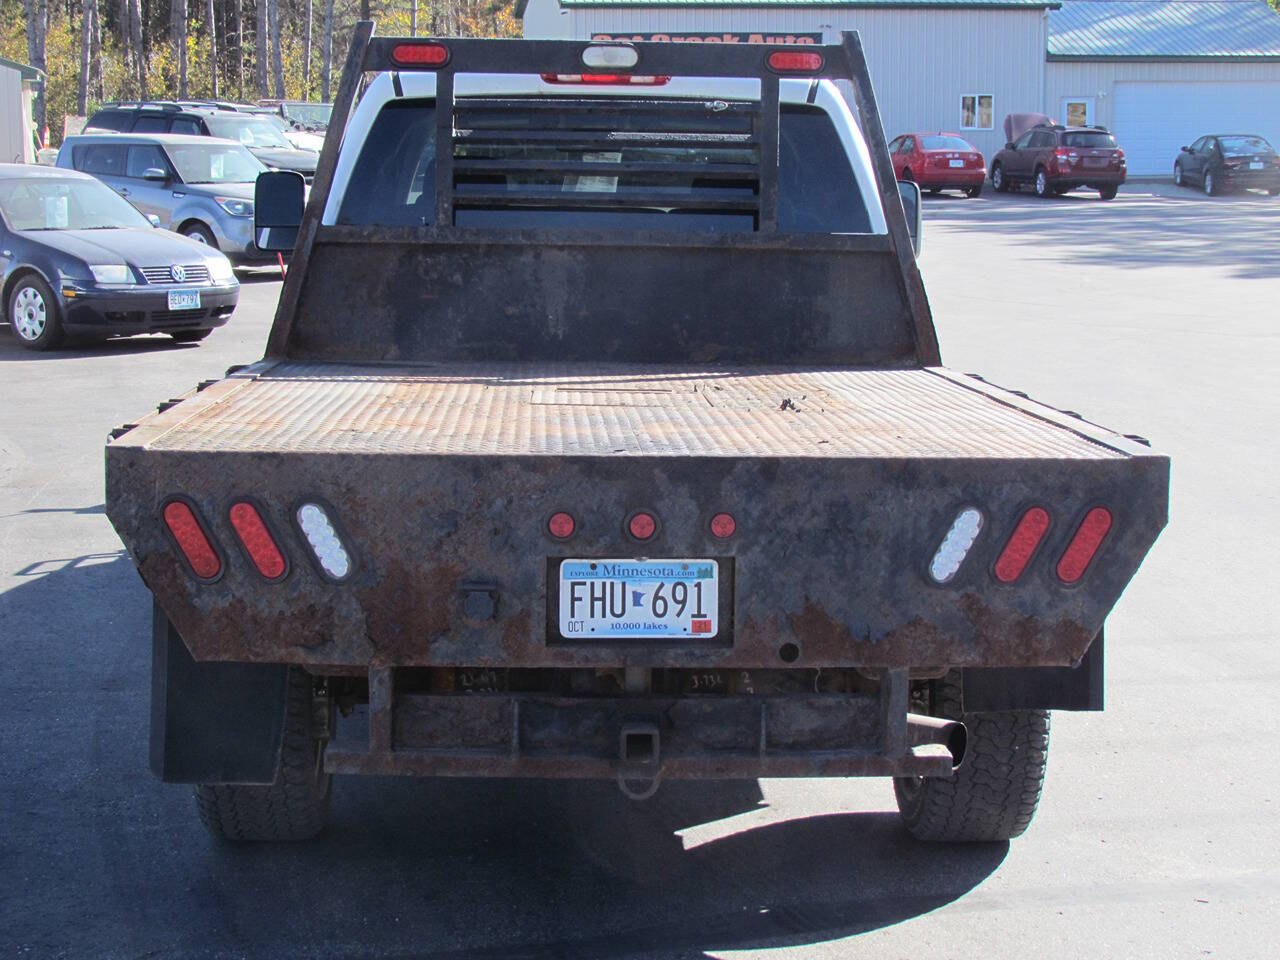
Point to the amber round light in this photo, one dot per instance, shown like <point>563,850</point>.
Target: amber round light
<point>723,525</point>
<point>642,526</point>
<point>560,525</point>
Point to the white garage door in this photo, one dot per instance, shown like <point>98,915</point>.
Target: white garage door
<point>1153,120</point>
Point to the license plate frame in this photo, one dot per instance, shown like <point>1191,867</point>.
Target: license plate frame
<point>561,615</point>
<point>184,299</point>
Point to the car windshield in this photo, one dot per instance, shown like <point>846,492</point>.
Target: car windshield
<point>1240,146</point>
<point>49,204</point>
<point>314,116</point>
<point>1088,139</point>
<point>251,131</point>
<point>214,163</point>
<point>946,143</point>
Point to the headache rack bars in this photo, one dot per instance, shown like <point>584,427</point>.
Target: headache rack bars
<point>767,63</point>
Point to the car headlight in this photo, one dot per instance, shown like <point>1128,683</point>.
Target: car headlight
<point>111,273</point>
<point>220,270</point>
<point>235,207</point>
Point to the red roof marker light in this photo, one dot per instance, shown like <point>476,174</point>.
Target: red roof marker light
<point>642,525</point>
<point>723,526</point>
<point>795,61</point>
<point>420,54</point>
<point>561,525</point>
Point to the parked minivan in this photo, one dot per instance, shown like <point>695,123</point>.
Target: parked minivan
<point>201,187</point>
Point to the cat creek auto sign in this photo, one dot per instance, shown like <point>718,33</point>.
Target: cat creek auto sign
<point>713,37</point>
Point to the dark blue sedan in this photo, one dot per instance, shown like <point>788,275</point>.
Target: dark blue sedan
<point>76,258</point>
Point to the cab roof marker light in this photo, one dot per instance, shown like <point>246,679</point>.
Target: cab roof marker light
<point>1084,545</point>
<point>956,545</point>
<point>259,545</point>
<point>610,56</point>
<point>1022,545</point>
<point>189,534</point>
<point>323,540</point>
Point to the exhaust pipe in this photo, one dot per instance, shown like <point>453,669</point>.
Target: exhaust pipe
<point>951,734</point>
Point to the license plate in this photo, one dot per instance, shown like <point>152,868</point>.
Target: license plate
<point>1255,165</point>
<point>184,299</point>
<point>1096,161</point>
<point>621,599</point>
<point>957,163</point>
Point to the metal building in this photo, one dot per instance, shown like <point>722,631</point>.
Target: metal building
<point>19,85</point>
<point>954,65</point>
<point>1161,74</point>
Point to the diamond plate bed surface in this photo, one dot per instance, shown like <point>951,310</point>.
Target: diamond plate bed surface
<point>599,410</point>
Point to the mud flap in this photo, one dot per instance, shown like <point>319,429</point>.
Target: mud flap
<point>1037,688</point>
<point>212,722</point>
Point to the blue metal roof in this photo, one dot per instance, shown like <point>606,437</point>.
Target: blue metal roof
<point>1164,30</point>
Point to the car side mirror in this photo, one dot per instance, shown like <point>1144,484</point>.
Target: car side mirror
<point>153,220</point>
<point>278,199</point>
<point>154,173</point>
<point>1186,149</point>
<point>909,192</point>
<point>1010,146</point>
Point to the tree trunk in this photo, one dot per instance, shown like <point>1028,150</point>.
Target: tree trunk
<point>213,50</point>
<point>95,55</point>
<point>277,61</point>
<point>178,30</point>
<point>139,51</point>
<point>37,17</point>
<point>413,18</point>
<point>326,53</point>
<point>306,56</point>
<point>86,61</point>
<point>260,49</point>
<point>239,14</point>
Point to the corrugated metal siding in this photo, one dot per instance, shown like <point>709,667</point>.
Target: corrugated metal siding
<point>922,61</point>
<point>1164,28</point>
<point>11,132</point>
<point>1097,79</point>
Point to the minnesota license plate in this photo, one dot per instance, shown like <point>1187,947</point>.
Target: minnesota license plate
<point>957,163</point>
<point>620,599</point>
<point>184,299</point>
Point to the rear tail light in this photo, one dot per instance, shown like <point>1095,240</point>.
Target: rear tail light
<point>420,54</point>
<point>1022,545</point>
<point>1119,153</point>
<point>642,525</point>
<point>323,539</point>
<point>604,79</point>
<point>1084,545</point>
<point>259,545</point>
<point>795,61</point>
<point>189,534</point>
<point>723,526</point>
<point>955,545</point>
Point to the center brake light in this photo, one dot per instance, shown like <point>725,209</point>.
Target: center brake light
<point>605,79</point>
<point>420,54</point>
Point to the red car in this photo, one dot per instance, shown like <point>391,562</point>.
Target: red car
<point>938,161</point>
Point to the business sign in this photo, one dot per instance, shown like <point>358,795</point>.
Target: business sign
<point>780,38</point>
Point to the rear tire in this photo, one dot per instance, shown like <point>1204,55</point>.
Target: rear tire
<point>998,181</point>
<point>973,192</point>
<point>189,336</point>
<point>1108,193</point>
<point>994,793</point>
<point>1210,185</point>
<point>1043,190</point>
<point>1273,191</point>
<point>934,191</point>
<point>292,808</point>
<point>1178,181</point>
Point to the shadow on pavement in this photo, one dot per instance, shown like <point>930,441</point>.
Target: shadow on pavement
<point>78,347</point>
<point>1145,226</point>
<point>407,868</point>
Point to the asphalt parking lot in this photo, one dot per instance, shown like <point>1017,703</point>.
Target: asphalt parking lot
<point>1157,313</point>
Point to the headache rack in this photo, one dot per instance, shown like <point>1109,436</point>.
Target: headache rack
<point>686,155</point>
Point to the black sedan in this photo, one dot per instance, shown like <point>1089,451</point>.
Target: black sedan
<point>1223,161</point>
<point>75,257</point>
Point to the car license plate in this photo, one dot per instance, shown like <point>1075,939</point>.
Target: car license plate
<point>1255,165</point>
<point>184,299</point>
<point>1096,161</point>
<point>620,599</point>
<point>957,163</point>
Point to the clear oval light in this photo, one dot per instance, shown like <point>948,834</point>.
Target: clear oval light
<point>323,540</point>
<point>956,544</point>
<point>610,56</point>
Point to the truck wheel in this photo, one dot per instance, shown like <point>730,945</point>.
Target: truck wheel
<point>292,808</point>
<point>994,793</point>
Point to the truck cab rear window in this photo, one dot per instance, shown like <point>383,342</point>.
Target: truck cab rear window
<point>660,165</point>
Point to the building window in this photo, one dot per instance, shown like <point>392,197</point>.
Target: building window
<point>977,111</point>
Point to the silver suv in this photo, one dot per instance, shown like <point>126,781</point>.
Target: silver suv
<point>200,187</point>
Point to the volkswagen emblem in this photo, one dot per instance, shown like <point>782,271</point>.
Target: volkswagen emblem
<point>178,273</point>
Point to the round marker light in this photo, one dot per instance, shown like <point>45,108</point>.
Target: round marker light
<point>642,526</point>
<point>560,525</point>
<point>723,526</point>
<point>323,540</point>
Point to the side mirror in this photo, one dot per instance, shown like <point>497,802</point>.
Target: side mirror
<point>1010,146</point>
<point>278,199</point>
<point>909,192</point>
<point>153,220</point>
<point>1186,149</point>
<point>154,173</point>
